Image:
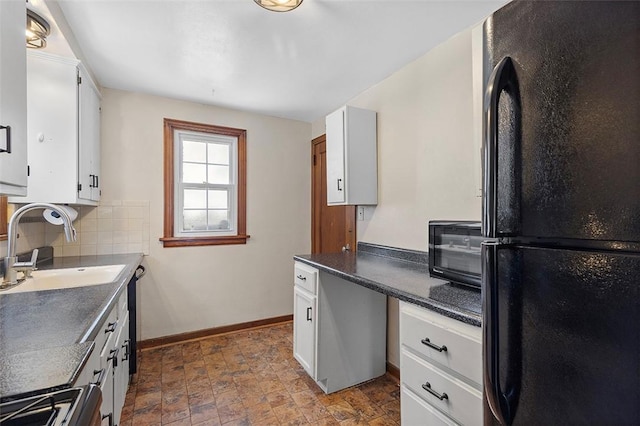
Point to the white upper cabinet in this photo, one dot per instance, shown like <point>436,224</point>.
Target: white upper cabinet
<point>89,146</point>
<point>352,160</point>
<point>13,98</point>
<point>63,136</point>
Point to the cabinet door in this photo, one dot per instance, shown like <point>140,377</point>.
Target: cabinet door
<point>89,137</point>
<point>335,157</point>
<point>304,330</point>
<point>121,371</point>
<point>13,99</point>
<point>106,409</point>
<point>51,131</point>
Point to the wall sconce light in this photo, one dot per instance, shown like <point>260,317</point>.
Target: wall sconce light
<point>279,5</point>
<point>37,30</point>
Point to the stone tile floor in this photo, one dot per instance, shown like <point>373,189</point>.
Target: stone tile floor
<point>247,378</point>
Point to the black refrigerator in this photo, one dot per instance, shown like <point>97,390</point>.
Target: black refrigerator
<point>561,213</point>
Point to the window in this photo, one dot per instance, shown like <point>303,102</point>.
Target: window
<point>205,184</point>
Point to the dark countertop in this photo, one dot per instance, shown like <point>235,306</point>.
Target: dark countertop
<point>46,336</point>
<point>403,274</point>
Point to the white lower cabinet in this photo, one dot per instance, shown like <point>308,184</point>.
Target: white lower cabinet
<point>304,330</point>
<point>339,329</point>
<point>108,365</point>
<point>440,369</point>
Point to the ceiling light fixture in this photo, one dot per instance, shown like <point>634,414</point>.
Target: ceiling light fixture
<point>279,5</point>
<point>37,30</point>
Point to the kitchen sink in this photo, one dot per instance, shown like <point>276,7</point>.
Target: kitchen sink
<point>51,279</point>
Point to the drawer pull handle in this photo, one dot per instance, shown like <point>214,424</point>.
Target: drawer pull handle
<point>427,342</point>
<point>113,355</point>
<point>111,327</point>
<point>126,348</point>
<point>100,374</point>
<point>302,277</point>
<point>110,416</point>
<point>309,314</point>
<point>441,397</point>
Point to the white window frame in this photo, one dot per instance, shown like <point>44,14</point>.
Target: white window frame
<point>179,186</point>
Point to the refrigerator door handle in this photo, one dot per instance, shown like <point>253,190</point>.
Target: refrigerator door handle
<point>500,78</point>
<point>490,330</point>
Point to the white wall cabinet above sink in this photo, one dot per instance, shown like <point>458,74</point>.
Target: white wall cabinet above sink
<point>352,160</point>
<point>13,95</point>
<point>63,133</point>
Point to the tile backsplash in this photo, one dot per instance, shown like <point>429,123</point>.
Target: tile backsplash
<point>114,227</point>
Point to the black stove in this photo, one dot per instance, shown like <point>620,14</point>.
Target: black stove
<point>69,407</point>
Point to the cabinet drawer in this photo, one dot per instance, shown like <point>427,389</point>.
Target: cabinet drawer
<point>306,277</point>
<point>463,354</point>
<point>415,411</point>
<point>463,402</point>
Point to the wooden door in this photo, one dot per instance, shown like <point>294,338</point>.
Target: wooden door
<point>333,227</point>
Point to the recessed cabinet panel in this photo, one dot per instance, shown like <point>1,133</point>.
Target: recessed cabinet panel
<point>89,130</point>
<point>352,160</point>
<point>446,393</point>
<point>63,136</point>
<point>335,158</point>
<point>13,98</point>
<point>415,411</point>
<point>304,331</point>
<point>424,333</point>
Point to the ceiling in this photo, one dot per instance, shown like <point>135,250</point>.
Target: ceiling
<point>299,65</point>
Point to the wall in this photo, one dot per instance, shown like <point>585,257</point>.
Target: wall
<point>428,152</point>
<point>195,288</point>
<point>30,234</point>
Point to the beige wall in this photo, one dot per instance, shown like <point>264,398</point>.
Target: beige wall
<point>428,152</point>
<point>194,288</point>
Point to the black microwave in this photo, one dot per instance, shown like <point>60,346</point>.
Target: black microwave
<point>454,251</point>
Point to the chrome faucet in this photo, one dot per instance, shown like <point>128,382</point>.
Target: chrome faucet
<point>11,264</point>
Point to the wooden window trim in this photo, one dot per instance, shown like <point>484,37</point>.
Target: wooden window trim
<point>3,218</point>
<point>169,239</point>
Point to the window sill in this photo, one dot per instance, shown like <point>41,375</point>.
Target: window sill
<point>203,241</point>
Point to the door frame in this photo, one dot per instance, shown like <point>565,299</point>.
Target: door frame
<point>350,211</point>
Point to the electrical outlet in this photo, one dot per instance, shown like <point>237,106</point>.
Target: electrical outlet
<point>360,213</point>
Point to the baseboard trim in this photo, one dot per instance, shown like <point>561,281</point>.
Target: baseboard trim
<point>393,371</point>
<point>200,334</point>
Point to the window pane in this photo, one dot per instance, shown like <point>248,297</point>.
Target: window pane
<point>219,219</point>
<point>218,199</point>
<point>218,153</point>
<point>218,174</point>
<point>194,151</point>
<point>195,199</point>
<point>195,220</point>
<point>194,173</point>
